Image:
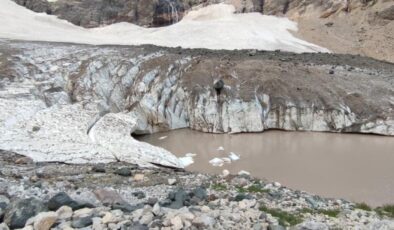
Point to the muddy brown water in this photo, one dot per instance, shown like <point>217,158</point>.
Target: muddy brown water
<point>356,167</point>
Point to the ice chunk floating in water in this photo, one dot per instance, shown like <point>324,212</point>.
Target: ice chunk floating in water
<point>186,161</point>
<point>233,156</point>
<point>211,27</point>
<point>217,162</point>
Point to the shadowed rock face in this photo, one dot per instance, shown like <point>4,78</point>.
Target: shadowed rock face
<point>78,103</point>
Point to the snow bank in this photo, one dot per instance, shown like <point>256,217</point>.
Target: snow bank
<point>212,27</point>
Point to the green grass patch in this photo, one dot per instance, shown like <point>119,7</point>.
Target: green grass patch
<point>284,218</point>
<point>386,210</point>
<point>255,188</point>
<point>219,187</point>
<point>363,206</point>
<point>330,212</point>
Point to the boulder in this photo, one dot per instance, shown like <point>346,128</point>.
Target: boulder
<point>62,199</point>
<point>20,211</point>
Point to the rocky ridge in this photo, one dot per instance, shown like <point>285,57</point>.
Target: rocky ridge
<point>77,103</point>
<point>60,196</point>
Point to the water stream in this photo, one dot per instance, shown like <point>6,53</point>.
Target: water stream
<point>356,167</point>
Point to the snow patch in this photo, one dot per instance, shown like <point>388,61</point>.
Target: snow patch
<point>211,27</point>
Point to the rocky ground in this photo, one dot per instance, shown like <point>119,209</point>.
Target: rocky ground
<point>125,196</point>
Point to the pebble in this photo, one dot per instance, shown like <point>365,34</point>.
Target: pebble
<point>171,181</point>
<point>126,172</point>
<point>139,177</point>
<point>3,226</point>
<point>45,220</point>
<point>99,168</point>
<point>176,223</point>
<point>64,213</point>
<point>108,197</point>
<point>82,222</point>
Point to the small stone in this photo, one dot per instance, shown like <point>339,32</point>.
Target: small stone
<point>171,181</point>
<point>252,52</point>
<point>204,220</point>
<point>331,72</point>
<point>176,223</point>
<point>99,168</point>
<point>276,227</point>
<point>64,212</point>
<point>23,161</point>
<point>108,218</point>
<point>277,184</point>
<point>138,177</point>
<point>125,207</point>
<point>3,226</point>
<point>147,218</point>
<point>152,201</point>
<point>108,197</point>
<point>200,193</point>
<point>205,209</point>
<point>257,226</point>
<point>97,225</point>
<point>83,212</point>
<point>243,173</point>
<point>82,222</point>
<point>126,172</point>
<point>45,220</point>
<point>139,195</point>
<point>156,209</point>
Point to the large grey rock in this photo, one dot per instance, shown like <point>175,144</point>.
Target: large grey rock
<point>4,202</point>
<point>22,210</point>
<point>62,199</point>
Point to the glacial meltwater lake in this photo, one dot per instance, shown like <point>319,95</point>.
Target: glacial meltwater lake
<point>356,167</point>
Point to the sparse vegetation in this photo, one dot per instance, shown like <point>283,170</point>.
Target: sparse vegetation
<point>386,210</point>
<point>219,187</point>
<point>330,212</point>
<point>284,218</point>
<point>255,188</point>
<point>363,206</point>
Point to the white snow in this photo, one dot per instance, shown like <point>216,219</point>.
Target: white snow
<point>212,27</point>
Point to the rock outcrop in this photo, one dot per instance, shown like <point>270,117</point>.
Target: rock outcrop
<point>78,103</point>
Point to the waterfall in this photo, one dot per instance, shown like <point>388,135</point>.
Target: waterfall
<point>172,8</point>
